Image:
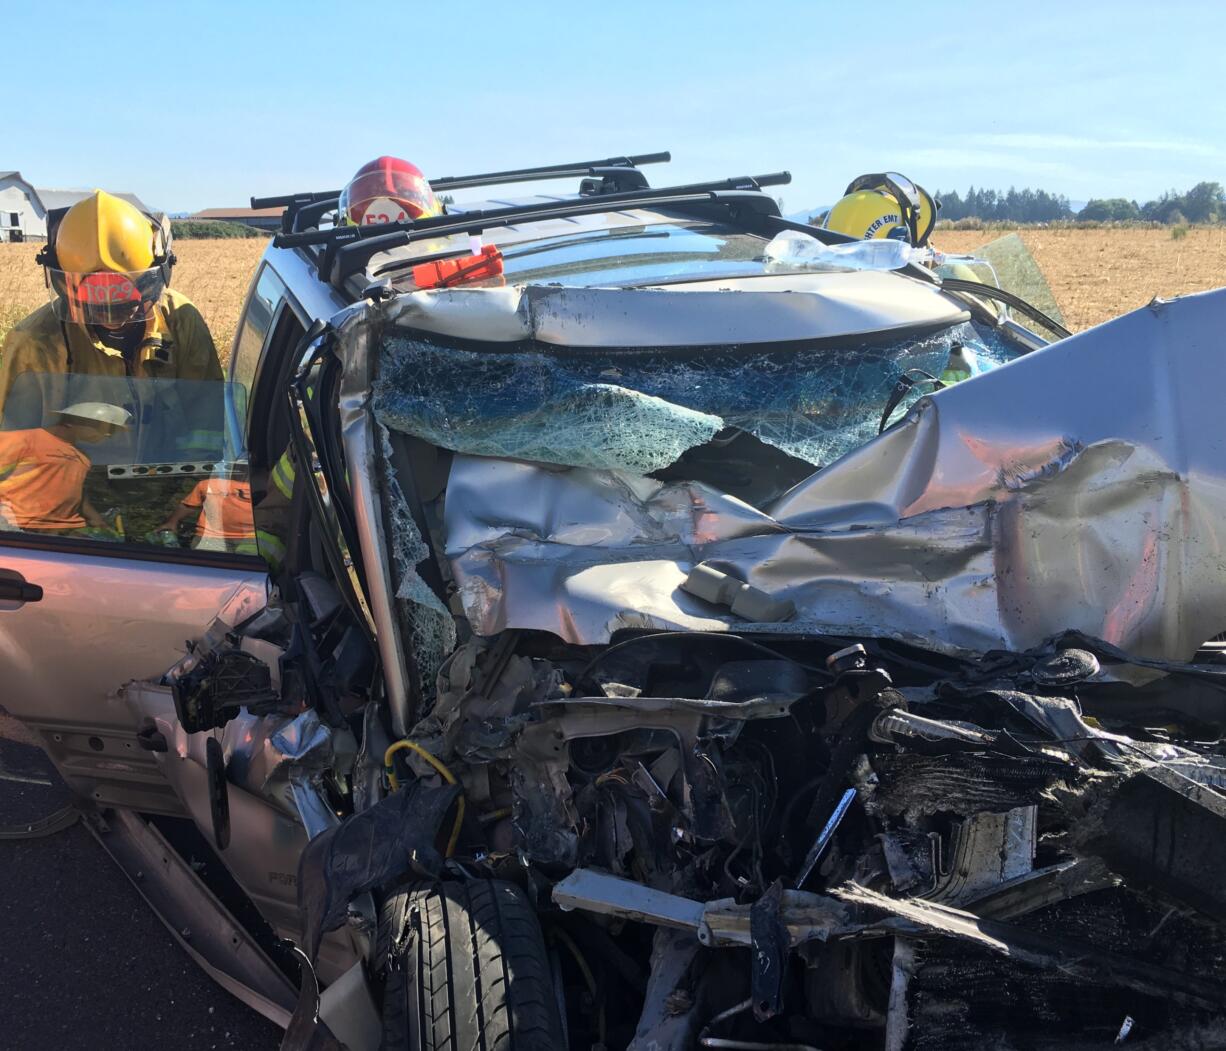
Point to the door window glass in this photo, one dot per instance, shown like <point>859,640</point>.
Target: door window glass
<point>261,308</point>
<point>120,460</point>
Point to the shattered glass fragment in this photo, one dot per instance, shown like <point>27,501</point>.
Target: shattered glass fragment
<point>432,627</point>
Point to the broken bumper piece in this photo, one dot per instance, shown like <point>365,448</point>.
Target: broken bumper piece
<point>715,924</point>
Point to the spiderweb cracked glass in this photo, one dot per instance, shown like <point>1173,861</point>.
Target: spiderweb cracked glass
<point>640,410</point>
<point>431,624</point>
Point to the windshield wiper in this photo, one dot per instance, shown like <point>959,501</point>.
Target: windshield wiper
<point>976,288</point>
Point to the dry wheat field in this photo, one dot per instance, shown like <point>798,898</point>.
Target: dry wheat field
<point>1094,274</point>
<point>1097,274</point>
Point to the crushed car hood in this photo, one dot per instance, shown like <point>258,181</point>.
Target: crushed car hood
<point>1079,487</point>
<point>791,307</point>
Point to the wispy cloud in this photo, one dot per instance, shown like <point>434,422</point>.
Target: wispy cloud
<point>974,159</point>
<point>1050,141</point>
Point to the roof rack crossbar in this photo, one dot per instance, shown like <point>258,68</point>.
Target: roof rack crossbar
<point>630,178</point>
<point>301,218</point>
<point>346,234</point>
<point>460,182</point>
<point>475,221</point>
<point>340,259</point>
<point>292,202</point>
<point>308,215</point>
<point>286,200</point>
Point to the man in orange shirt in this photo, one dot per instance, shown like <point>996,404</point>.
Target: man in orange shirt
<point>224,519</point>
<point>42,470</point>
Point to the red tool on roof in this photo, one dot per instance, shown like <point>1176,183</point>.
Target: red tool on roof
<point>446,273</point>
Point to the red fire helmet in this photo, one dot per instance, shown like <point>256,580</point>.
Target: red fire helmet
<point>387,190</point>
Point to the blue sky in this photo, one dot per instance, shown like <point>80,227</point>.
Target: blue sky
<point>192,105</point>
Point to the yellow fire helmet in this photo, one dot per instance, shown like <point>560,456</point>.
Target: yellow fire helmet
<point>884,205</point>
<point>110,262</point>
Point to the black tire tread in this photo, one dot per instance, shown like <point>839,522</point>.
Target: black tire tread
<point>466,970</point>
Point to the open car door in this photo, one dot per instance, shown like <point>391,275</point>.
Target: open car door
<point>117,546</point>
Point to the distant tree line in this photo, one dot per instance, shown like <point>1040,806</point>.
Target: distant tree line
<point>1018,206</point>
<point>1204,203</point>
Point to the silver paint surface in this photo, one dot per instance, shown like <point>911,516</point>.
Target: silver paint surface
<point>1081,487</point>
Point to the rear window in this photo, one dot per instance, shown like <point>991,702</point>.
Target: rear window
<point>630,255</point>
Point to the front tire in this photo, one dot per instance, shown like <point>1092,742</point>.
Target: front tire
<point>466,970</point>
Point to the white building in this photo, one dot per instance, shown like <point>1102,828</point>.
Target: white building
<point>24,208</point>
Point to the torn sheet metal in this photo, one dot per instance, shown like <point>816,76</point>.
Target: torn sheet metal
<point>1079,487</point>
<point>267,837</point>
<point>989,849</point>
<point>685,314</point>
<point>670,1015</point>
<point>805,917</point>
<point>361,446</point>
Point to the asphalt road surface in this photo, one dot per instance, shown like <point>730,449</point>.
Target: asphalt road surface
<point>84,963</point>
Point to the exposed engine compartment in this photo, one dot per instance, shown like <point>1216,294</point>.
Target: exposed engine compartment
<point>882,844</point>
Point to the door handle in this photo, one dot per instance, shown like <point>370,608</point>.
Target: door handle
<point>15,591</point>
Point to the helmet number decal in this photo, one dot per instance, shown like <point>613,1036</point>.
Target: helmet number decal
<point>103,289</point>
<point>384,210</point>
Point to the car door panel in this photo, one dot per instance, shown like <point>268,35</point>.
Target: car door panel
<point>101,622</point>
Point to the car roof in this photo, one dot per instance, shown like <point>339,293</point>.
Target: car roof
<point>344,256</point>
<point>522,233</point>
<point>299,266</point>
<point>878,303</point>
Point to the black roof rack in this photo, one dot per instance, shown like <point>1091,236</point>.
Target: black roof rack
<point>302,220</point>
<point>345,256</point>
<point>324,200</point>
<point>612,180</point>
<point>461,182</point>
<point>344,234</point>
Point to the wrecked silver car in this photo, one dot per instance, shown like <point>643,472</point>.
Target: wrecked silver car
<point>667,656</point>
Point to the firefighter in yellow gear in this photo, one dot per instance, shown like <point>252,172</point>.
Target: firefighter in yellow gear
<point>884,204</point>
<point>283,474</point>
<point>111,314</point>
<point>273,512</point>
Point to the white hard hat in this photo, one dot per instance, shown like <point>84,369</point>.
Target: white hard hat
<point>98,412</point>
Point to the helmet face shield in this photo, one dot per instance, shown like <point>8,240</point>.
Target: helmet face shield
<point>903,187</point>
<point>106,297</point>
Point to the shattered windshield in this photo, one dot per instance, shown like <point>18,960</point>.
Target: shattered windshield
<point>641,410</point>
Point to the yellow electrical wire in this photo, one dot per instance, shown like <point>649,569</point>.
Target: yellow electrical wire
<point>443,772</point>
